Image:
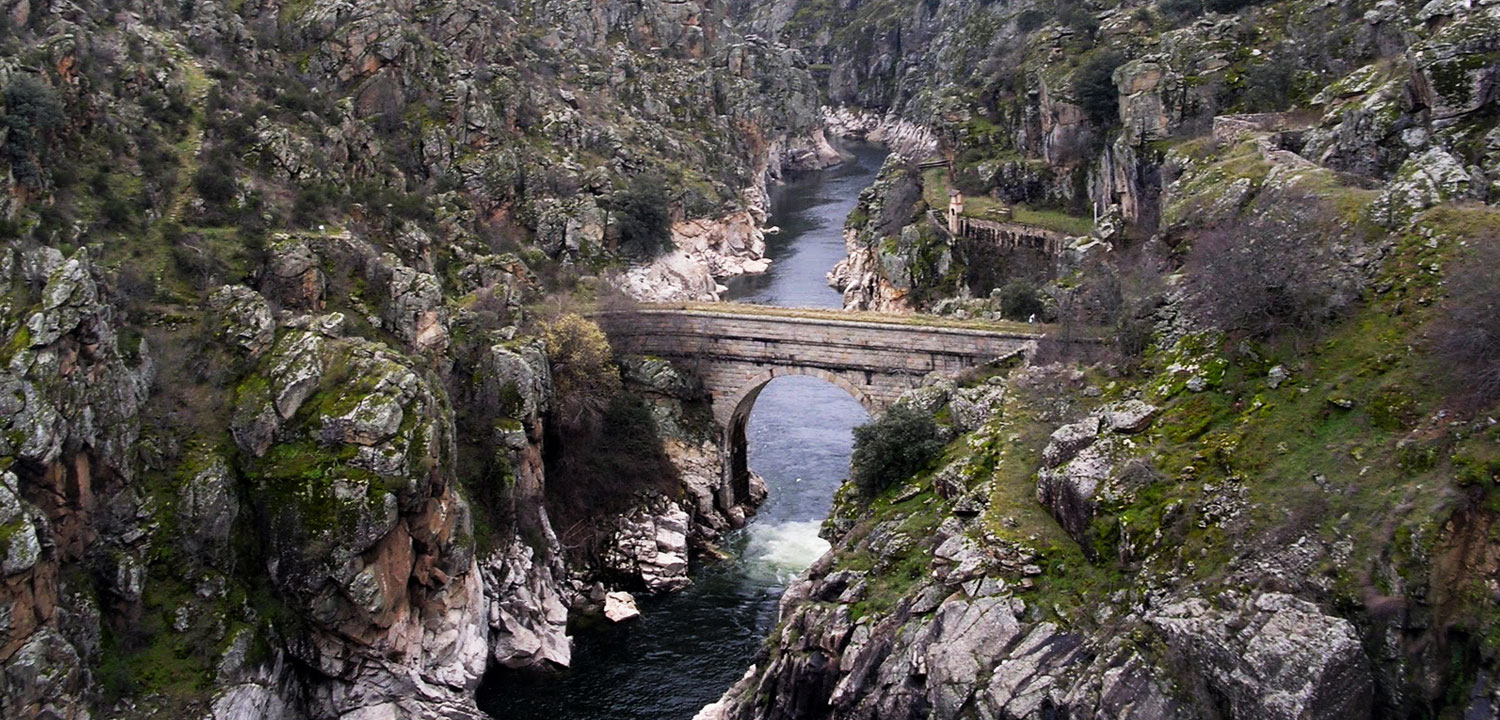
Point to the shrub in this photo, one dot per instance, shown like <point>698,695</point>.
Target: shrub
<point>1019,300</point>
<point>1094,88</point>
<point>642,216</point>
<point>33,112</point>
<point>1270,85</point>
<point>1270,271</point>
<point>584,378</point>
<point>1078,18</point>
<point>1031,20</point>
<point>1467,336</point>
<point>214,182</point>
<point>902,442</point>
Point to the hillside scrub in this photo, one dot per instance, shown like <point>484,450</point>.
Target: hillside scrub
<point>1271,271</point>
<point>642,216</point>
<point>899,444</point>
<point>1467,337</point>
<point>583,371</point>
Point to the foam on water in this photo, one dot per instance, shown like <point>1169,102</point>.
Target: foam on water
<point>784,549</point>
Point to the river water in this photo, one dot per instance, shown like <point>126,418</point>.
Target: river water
<point>688,648</point>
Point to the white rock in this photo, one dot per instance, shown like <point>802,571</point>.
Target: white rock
<point>619,606</point>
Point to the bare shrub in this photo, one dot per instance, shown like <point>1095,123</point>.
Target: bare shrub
<point>1113,309</point>
<point>1467,336</point>
<point>1273,270</point>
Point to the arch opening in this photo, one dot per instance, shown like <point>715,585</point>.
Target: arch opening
<point>737,440</point>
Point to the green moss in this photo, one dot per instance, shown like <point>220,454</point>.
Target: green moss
<point>18,342</point>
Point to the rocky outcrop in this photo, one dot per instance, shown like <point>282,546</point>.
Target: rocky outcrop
<point>71,399</point>
<point>928,609</point>
<point>650,546</point>
<point>528,615</point>
<point>1271,656</point>
<point>1091,462</point>
<point>892,252</point>
<point>905,138</point>
<point>368,535</point>
<point>804,154</point>
<point>705,251</point>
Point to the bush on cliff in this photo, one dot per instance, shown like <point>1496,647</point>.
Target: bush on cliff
<point>1019,300</point>
<point>1468,331</point>
<point>642,216</point>
<point>33,112</point>
<point>1094,87</point>
<point>899,444</point>
<point>584,377</point>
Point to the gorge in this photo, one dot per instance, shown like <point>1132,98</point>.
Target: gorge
<point>361,360</point>
<point>689,646</point>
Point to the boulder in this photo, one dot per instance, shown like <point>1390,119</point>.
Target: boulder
<point>244,319</point>
<point>293,276</point>
<point>1272,656</point>
<point>619,606</point>
<point>1127,416</point>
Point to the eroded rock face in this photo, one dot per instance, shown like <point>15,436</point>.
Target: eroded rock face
<point>887,257</point>
<point>368,534</point>
<point>70,404</point>
<point>908,139</point>
<point>525,578</point>
<point>651,545</point>
<point>1272,656</point>
<point>527,616</point>
<point>705,250</point>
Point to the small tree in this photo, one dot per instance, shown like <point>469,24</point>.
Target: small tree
<point>642,216</point>
<point>1094,87</point>
<point>899,444</point>
<point>32,113</point>
<point>584,378</point>
<point>1019,300</point>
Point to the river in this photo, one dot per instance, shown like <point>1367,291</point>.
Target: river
<point>688,648</point>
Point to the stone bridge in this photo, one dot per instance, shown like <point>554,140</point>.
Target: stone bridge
<point>737,349</point>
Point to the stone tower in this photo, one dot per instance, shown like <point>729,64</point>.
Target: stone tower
<point>955,209</point>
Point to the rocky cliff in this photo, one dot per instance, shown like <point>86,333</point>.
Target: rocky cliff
<point>1269,495</point>
<point>279,411</point>
<point>1063,115</point>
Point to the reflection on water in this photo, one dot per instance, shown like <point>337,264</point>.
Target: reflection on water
<point>688,648</point>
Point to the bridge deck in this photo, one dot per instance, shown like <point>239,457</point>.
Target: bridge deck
<point>831,316</point>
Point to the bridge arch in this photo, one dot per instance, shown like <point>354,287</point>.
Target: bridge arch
<point>736,421</point>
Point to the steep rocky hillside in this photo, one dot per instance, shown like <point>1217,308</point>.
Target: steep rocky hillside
<point>1269,491</point>
<point>1064,112</point>
<point>279,401</point>
<point>301,415</point>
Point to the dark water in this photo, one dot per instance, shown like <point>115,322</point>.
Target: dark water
<point>688,648</point>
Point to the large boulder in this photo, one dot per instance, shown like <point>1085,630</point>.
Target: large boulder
<point>1272,656</point>
<point>243,319</point>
